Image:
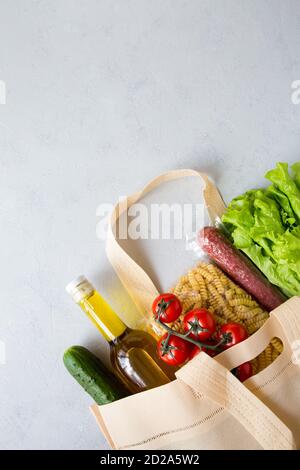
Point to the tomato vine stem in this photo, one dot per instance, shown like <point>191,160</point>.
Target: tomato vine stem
<point>186,337</point>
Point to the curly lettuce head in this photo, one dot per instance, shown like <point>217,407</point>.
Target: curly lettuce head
<point>265,225</point>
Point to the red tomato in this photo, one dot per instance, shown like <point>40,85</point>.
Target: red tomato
<point>211,352</point>
<point>233,332</point>
<point>244,371</point>
<point>200,323</point>
<point>176,352</point>
<point>168,306</point>
<point>196,350</point>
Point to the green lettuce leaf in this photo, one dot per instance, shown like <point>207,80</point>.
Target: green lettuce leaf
<point>282,180</point>
<point>265,225</point>
<point>296,170</point>
<point>287,214</point>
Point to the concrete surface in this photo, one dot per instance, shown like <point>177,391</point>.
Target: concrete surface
<point>102,95</point>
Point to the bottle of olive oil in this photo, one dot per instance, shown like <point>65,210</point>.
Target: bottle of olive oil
<point>133,353</point>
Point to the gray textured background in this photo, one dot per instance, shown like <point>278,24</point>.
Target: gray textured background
<point>101,96</point>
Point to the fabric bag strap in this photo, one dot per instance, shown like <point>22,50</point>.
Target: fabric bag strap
<point>221,386</point>
<point>284,323</point>
<point>217,382</point>
<point>133,277</point>
<point>288,316</point>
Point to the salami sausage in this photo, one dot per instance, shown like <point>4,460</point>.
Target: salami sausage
<point>239,268</point>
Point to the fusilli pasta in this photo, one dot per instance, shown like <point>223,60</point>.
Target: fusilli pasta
<point>207,286</point>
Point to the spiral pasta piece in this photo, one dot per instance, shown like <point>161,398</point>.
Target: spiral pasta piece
<point>207,286</point>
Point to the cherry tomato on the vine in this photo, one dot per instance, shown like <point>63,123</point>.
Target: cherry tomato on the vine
<point>244,371</point>
<point>200,324</point>
<point>211,352</point>
<point>175,351</point>
<point>194,352</point>
<point>168,307</point>
<point>233,333</point>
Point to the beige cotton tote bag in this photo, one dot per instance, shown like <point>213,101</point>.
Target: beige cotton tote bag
<point>207,407</point>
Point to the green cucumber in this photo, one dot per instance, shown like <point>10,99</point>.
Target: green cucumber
<point>98,381</point>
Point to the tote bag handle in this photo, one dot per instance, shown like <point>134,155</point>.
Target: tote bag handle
<point>133,277</point>
<point>213,379</point>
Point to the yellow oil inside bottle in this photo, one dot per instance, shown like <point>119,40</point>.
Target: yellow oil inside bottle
<point>145,377</point>
<point>103,316</point>
<point>134,356</point>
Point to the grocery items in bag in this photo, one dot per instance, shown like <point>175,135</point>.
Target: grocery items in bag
<point>206,286</point>
<point>96,379</point>
<point>175,348</point>
<point>200,334</point>
<point>265,225</point>
<point>208,408</point>
<point>239,268</point>
<point>133,353</point>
